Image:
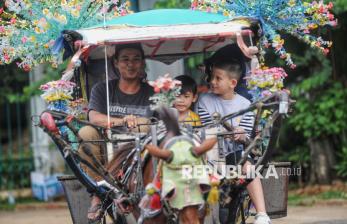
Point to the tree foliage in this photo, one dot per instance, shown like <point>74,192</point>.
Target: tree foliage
<point>339,5</point>
<point>320,109</point>
<point>172,4</point>
<point>16,87</point>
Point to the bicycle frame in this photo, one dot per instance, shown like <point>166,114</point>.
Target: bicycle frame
<point>115,189</point>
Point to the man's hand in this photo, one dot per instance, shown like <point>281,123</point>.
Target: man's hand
<point>130,121</point>
<point>137,124</point>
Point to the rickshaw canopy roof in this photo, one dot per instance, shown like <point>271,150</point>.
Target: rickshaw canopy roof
<point>166,34</point>
<point>166,17</point>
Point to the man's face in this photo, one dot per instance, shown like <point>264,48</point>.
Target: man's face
<point>130,64</point>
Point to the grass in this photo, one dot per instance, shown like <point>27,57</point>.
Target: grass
<point>5,206</point>
<point>309,200</point>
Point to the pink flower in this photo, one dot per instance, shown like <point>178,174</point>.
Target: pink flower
<point>2,29</point>
<point>276,76</point>
<point>1,10</point>
<point>13,21</point>
<point>26,67</point>
<point>24,39</point>
<point>266,93</point>
<point>330,5</point>
<point>103,10</point>
<point>330,16</point>
<point>156,90</point>
<point>123,12</point>
<point>167,85</point>
<point>333,23</point>
<point>326,51</point>
<point>7,58</point>
<point>164,84</point>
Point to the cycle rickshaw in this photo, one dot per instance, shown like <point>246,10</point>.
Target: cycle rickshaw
<point>166,36</point>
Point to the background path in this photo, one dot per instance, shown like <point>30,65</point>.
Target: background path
<point>296,215</point>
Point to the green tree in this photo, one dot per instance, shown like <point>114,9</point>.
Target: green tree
<point>320,115</point>
<point>172,4</point>
<point>339,5</point>
<point>319,86</point>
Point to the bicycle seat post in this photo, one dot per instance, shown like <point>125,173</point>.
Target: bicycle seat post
<point>284,102</point>
<point>137,144</point>
<point>139,179</point>
<point>216,121</point>
<point>109,146</point>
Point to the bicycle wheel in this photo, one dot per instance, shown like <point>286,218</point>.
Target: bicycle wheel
<point>55,124</point>
<point>271,139</point>
<point>237,210</point>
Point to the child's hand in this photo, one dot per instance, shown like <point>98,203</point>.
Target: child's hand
<point>240,135</point>
<point>158,152</point>
<point>151,148</point>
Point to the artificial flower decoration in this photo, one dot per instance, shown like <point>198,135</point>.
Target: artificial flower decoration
<point>29,28</point>
<point>57,90</point>
<point>166,90</point>
<point>295,17</point>
<point>57,94</point>
<point>78,108</point>
<point>264,82</point>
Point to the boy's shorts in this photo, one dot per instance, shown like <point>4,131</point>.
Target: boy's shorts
<point>234,157</point>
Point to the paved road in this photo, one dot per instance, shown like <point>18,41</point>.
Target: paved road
<point>296,215</point>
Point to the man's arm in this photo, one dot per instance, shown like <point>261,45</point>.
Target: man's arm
<point>100,119</point>
<point>131,121</point>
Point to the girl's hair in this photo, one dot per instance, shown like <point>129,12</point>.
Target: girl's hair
<point>188,84</point>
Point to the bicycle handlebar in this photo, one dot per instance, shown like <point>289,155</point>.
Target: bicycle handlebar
<point>63,119</point>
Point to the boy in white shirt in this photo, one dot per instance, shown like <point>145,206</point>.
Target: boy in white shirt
<point>224,100</point>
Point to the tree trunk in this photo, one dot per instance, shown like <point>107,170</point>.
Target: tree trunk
<point>322,160</point>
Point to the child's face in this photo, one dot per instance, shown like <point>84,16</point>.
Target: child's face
<point>184,101</point>
<point>221,82</point>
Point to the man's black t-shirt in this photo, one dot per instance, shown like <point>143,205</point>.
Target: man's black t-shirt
<point>121,104</point>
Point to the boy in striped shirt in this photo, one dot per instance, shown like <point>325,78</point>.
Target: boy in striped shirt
<point>224,100</point>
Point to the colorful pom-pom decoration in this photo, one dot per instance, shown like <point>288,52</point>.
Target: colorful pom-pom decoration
<point>29,28</point>
<point>294,17</point>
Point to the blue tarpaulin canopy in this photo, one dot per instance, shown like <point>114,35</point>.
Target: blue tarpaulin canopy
<point>166,34</point>
<point>166,17</point>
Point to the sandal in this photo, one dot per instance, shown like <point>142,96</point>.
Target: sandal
<point>96,209</point>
